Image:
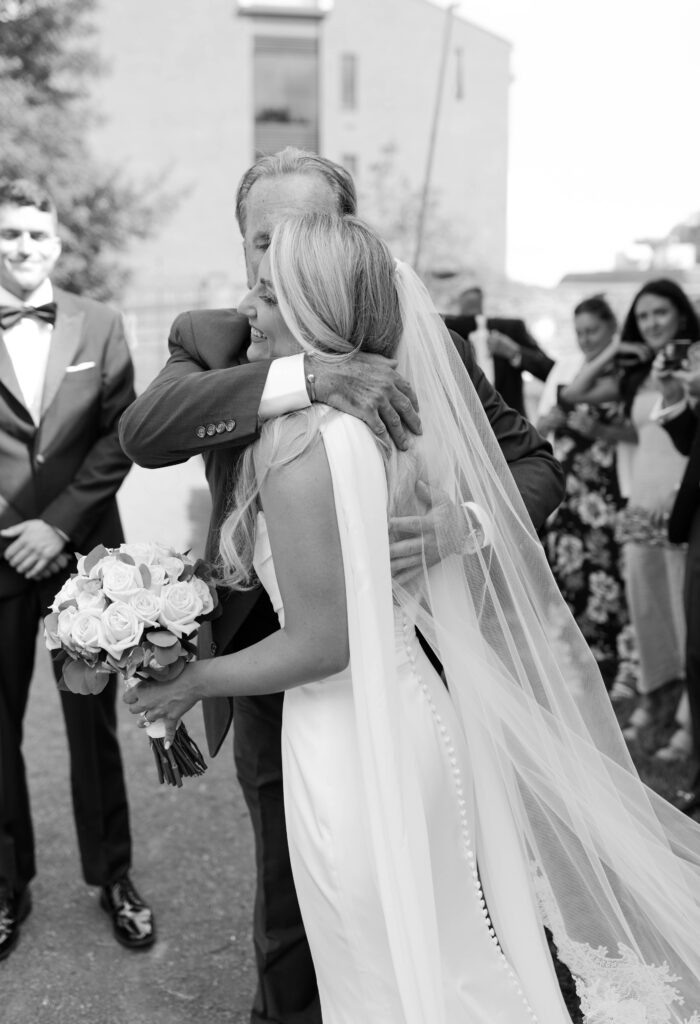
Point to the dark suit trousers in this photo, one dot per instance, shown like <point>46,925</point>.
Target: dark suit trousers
<point>692,618</point>
<point>97,780</point>
<point>287,992</point>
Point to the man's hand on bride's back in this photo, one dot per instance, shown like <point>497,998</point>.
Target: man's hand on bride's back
<point>438,529</point>
<point>369,387</point>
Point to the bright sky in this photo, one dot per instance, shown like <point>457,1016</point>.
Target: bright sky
<point>605,132</point>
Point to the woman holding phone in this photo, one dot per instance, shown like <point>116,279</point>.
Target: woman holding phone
<point>661,316</point>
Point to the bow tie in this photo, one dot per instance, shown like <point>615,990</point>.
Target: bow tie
<point>11,315</point>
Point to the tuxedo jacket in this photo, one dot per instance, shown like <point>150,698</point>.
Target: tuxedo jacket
<point>685,434</point>
<point>67,470</point>
<point>191,409</point>
<point>507,379</point>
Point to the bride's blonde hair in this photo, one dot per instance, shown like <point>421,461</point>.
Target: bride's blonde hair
<point>334,280</point>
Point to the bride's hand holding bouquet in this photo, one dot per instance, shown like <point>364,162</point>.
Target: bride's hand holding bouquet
<point>165,705</point>
<point>134,611</point>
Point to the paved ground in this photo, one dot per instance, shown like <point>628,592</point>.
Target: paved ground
<point>193,854</point>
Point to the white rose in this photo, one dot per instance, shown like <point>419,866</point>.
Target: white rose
<point>146,604</point>
<point>120,580</point>
<point>92,599</point>
<point>142,554</point>
<point>97,568</point>
<point>162,551</point>
<point>204,593</point>
<point>173,566</point>
<point>63,626</point>
<point>121,628</point>
<point>68,592</point>
<point>57,628</point>
<point>85,630</point>
<point>158,577</point>
<point>180,604</point>
<point>51,639</point>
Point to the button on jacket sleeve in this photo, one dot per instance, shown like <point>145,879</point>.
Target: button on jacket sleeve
<point>205,382</point>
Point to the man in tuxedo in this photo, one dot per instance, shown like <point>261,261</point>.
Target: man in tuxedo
<point>208,400</point>
<point>502,347</point>
<point>65,378</point>
<point>682,423</point>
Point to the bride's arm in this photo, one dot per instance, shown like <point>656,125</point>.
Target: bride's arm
<point>303,530</point>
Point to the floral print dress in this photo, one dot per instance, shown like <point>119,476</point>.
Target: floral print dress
<point>583,552</point>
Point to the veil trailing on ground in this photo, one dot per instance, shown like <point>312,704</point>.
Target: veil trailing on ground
<point>560,808</point>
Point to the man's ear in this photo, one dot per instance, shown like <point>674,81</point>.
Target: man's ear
<point>57,249</point>
<point>249,284</point>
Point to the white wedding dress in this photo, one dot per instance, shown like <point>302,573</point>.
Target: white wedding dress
<point>355,904</point>
<point>405,798</point>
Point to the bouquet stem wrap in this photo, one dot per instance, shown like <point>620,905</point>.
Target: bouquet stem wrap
<point>182,759</point>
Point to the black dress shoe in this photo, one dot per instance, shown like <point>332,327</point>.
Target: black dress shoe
<point>132,918</point>
<point>687,801</point>
<point>14,908</point>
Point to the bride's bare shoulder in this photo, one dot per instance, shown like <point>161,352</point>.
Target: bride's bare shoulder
<point>287,438</point>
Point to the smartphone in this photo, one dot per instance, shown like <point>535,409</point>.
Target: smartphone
<point>673,356</point>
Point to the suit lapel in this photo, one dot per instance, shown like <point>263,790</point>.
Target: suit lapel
<point>65,340</point>
<point>7,375</point>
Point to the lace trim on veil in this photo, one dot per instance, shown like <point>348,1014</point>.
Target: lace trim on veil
<point>612,990</point>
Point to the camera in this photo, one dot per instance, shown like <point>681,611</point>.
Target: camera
<point>673,356</point>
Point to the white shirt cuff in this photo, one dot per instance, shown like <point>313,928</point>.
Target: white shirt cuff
<point>660,413</point>
<point>480,530</point>
<point>285,388</point>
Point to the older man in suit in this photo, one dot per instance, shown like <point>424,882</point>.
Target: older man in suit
<point>65,378</point>
<point>503,347</point>
<point>208,400</point>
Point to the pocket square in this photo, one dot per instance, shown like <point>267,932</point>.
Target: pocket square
<point>79,366</point>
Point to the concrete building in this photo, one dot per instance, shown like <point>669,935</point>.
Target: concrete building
<point>195,91</point>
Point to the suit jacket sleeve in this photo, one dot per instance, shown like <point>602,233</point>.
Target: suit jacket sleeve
<point>163,426</point>
<point>682,429</point>
<point>79,506</point>
<point>534,359</point>
<point>536,472</point>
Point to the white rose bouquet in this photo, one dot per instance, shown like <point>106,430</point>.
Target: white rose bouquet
<point>134,611</point>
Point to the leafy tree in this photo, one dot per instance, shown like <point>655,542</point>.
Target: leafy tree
<point>392,206</point>
<point>47,62</point>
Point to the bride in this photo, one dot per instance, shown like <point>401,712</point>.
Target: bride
<point>435,827</point>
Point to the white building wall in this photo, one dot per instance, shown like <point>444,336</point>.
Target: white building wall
<point>178,99</point>
<point>399,45</point>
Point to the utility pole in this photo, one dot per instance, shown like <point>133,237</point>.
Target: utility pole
<point>447,32</point>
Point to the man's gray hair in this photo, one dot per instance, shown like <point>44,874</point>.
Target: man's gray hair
<point>297,161</point>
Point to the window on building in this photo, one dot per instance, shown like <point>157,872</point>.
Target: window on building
<point>348,81</point>
<point>349,162</point>
<point>459,74</point>
<point>285,91</point>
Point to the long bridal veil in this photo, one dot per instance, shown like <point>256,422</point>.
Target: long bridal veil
<point>562,821</point>
<point>560,807</point>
